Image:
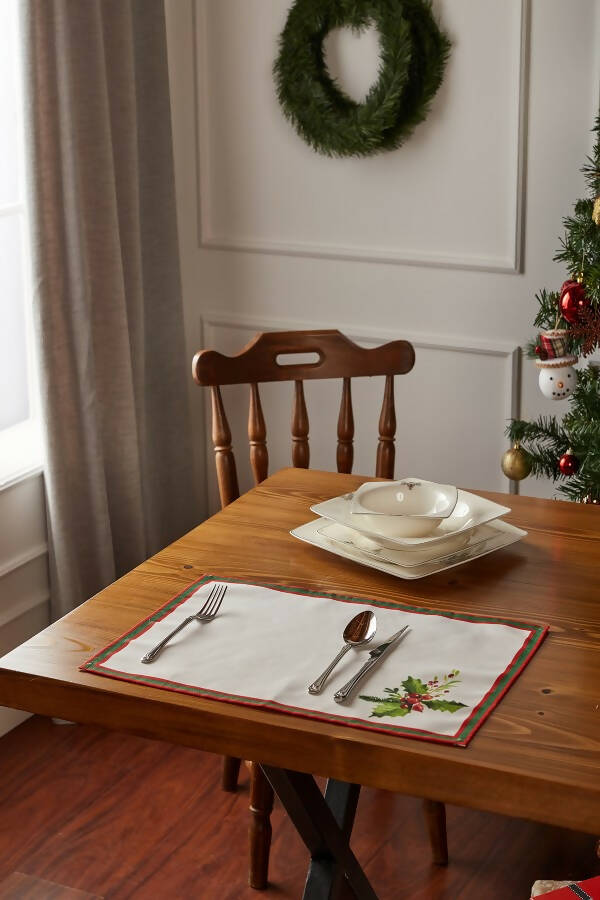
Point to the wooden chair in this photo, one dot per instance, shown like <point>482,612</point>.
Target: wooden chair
<point>338,357</point>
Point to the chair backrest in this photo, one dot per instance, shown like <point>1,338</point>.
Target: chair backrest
<point>338,357</point>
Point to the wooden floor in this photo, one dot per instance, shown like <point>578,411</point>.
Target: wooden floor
<point>88,814</point>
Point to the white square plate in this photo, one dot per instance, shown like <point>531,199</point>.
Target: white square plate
<point>413,557</point>
<point>505,535</point>
<point>469,512</point>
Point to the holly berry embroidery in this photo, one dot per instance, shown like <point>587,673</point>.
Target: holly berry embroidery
<point>416,696</point>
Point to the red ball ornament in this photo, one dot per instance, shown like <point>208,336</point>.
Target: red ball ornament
<point>572,301</point>
<point>568,463</point>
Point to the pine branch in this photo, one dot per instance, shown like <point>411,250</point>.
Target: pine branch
<point>591,169</point>
<point>546,439</point>
<point>530,348</point>
<point>545,430</point>
<point>413,50</point>
<point>545,442</point>
<point>580,247</point>
<point>548,310</point>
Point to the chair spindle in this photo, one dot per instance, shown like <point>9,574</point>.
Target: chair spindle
<point>300,448</point>
<point>257,436</point>
<point>386,452</point>
<point>260,831</point>
<point>345,431</point>
<point>224,459</point>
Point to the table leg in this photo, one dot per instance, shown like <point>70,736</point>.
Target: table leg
<point>342,800</point>
<point>435,816</point>
<point>231,771</point>
<point>324,823</point>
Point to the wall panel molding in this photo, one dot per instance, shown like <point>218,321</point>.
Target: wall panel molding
<point>24,605</point>
<point>510,263</point>
<point>24,582</point>
<point>10,718</point>
<point>11,565</point>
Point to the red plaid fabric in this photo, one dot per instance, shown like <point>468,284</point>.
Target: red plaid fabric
<point>554,345</point>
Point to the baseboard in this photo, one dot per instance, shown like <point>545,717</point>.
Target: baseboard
<point>10,718</point>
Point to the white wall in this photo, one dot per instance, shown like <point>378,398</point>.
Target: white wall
<point>444,241</point>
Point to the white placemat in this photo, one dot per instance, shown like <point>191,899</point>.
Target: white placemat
<point>268,643</point>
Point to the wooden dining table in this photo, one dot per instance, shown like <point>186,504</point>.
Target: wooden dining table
<point>537,756</point>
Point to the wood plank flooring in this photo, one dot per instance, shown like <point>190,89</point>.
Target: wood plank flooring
<point>86,813</point>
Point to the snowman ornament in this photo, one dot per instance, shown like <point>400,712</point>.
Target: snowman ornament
<point>557,378</point>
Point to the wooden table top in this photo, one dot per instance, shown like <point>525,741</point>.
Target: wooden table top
<point>537,756</point>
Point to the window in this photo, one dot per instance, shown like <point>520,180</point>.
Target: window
<point>19,433</point>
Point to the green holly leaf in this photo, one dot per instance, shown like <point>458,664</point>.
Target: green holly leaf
<point>389,708</point>
<point>374,699</point>
<point>444,705</point>
<point>414,686</point>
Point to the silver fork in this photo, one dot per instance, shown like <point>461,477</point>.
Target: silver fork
<point>208,611</point>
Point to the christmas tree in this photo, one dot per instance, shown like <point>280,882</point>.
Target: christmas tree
<point>568,323</point>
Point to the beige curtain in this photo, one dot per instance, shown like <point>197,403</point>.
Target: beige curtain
<point>107,295</point>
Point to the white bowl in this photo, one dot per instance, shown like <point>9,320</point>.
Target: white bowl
<point>469,512</point>
<point>395,526</point>
<point>408,508</point>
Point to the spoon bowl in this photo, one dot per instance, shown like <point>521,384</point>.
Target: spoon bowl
<point>359,630</point>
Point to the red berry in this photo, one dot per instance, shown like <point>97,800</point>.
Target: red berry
<point>426,697</point>
<point>418,707</point>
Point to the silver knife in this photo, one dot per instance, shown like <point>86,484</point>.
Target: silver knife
<point>375,654</point>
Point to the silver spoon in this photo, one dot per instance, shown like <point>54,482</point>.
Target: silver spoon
<point>359,630</point>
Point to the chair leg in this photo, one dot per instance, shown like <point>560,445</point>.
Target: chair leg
<point>261,805</point>
<point>435,816</point>
<point>231,770</point>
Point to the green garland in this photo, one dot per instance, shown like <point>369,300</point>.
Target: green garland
<point>413,56</point>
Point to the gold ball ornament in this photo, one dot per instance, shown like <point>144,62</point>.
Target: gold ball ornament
<point>596,211</point>
<point>516,463</point>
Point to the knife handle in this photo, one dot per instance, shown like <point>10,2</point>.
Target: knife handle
<point>345,691</point>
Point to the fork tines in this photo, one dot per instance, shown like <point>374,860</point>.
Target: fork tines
<point>213,601</point>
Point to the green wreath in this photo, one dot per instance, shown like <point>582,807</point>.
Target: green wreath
<point>413,56</point>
